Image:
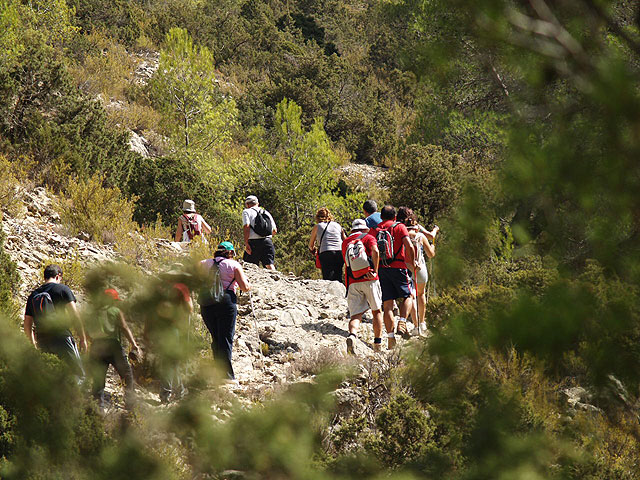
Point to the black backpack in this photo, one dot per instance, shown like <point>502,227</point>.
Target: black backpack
<point>262,224</point>
<point>42,304</point>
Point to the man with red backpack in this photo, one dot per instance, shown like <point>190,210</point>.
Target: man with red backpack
<point>396,252</point>
<point>360,253</point>
<point>191,224</point>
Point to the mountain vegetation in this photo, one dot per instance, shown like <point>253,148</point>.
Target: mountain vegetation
<point>514,125</point>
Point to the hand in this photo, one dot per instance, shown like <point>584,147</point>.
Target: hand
<point>247,248</point>
<point>370,275</point>
<point>83,344</point>
<point>435,230</point>
<point>138,352</point>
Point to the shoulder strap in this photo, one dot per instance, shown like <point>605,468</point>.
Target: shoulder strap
<point>322,236</point>
<point>232,280</point>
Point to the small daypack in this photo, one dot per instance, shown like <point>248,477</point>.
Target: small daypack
<point>215,292</point>
<point>262,223</point>
<point>356,257</point>
<point>42,304</point>
<point>191,226</point>
<point>384,238</point>
<point>420,260</point>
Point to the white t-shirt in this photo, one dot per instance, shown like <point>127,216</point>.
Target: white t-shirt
<point>199,220</point>
<point>249,215</point>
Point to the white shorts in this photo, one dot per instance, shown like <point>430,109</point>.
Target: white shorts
<point>363,296</point>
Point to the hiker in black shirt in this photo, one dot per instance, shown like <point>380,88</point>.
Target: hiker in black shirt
<point>45,319</point>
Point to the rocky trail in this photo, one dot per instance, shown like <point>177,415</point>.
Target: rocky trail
<point>286,326</point>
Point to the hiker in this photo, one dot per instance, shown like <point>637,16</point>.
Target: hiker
<point>44,322</point>
<point>259,228</point>
<point>329,235</point>
<point>105,327</point>
<point>219,315</point>
<point>168,309</point>
<point>191,224</point>
<point>403,215</point>
<point>372,216</point>
<point>361,280</point>
<point>420,276</point>
<point>396,251</point>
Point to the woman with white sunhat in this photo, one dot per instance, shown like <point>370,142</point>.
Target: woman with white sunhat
<point>191,224</point>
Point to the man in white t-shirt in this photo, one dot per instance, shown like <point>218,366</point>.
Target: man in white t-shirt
<point>258,245</point>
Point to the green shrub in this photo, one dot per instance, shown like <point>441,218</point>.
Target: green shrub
<point>100,211</point>
<point>426,179</point>
<point>9,282</point>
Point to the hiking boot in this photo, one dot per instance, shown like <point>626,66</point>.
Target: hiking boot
<point>351,345</point>
<point>415,331</point>
<point>402,328</point>
<point>424,332</point>
<point>377,347</point>
<point>392,343</point>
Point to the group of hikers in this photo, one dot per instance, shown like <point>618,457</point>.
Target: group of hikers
<point>385,258</point>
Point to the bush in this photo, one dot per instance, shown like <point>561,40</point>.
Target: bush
<point>9,282</point>
<point>100,211</point>
<point>426,179</point>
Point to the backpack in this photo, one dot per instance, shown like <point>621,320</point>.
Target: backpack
<point>215,293</point>
<point>420,260</point>
<point>42,304</point>
<point>262,223</point>
<point>384,238</point>
<point>191,226</point>
<point>356,257</point>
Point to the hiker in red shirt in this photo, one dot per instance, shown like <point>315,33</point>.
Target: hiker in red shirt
<point>396,252</point>
<point>360,253</point>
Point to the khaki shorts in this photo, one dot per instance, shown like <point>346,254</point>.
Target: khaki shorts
<point>363,296</point>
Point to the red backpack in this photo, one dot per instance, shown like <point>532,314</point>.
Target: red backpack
<point>191,226</point>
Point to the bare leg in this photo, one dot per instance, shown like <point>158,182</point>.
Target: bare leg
<point>422,301</point>
<point>389,322</point>
<point>377,323</point>
<point>354,323</point>
<point>405,307</point>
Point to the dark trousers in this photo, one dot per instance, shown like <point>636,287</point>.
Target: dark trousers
<point>105,352</point>
<point>220,319</point>
<point>332,262</point>
<point>65,348</point>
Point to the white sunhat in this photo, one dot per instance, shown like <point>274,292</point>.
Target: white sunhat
<point>359,224</point>
<point>189,206</point>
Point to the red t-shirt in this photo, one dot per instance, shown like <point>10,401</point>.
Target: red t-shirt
<point>369,242</point>
<point>398,232</point>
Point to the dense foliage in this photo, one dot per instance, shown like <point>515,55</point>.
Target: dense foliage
<point>514,125</point>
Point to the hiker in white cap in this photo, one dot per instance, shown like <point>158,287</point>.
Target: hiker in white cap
<point>191,224</point>
<point>258,228</point>
<point>361,257</point>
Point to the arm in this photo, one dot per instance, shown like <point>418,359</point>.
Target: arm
<point>246,230</point>
<point>241,279</point>
<point>312,240</point>
<point>127,333</point>
<point>28,329</point>
<point>205,227</point>
<point>71,306</point>
<point>179,231</point>
<point>429,249</point>
<point>342,234</point>
<point>410,254</point>
<point>375,257</point>
<point>431,235</point>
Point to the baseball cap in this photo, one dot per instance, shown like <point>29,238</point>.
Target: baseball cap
<point>226,246</point>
